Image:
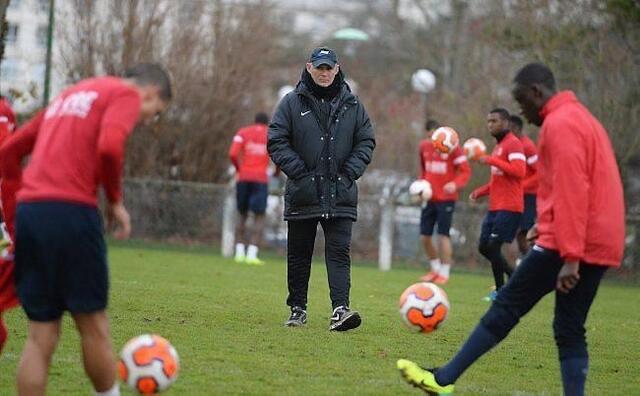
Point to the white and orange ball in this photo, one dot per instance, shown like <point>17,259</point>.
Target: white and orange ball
<point>445,139</point>
<point>424,307</point>
<point>149,364</point>
<point>474,148</point>
<point>420,191</point>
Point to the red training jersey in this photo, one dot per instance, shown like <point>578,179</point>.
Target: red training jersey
<point>76,143</point>
<point>439,169</point>
<point>7,190</point>
<point>530,181</point>
<point>508,168</point>
<point>580,198</point>
<point>249,155</point>
<point>7,119</point>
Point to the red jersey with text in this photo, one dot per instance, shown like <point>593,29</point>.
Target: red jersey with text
<point>76,143</point>
<point>508,168</point>
<point>249,155</point>
<point>530,181</point>
<point>580,199</point>
<point>439,169</point>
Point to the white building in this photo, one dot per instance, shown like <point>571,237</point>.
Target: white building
<point>23,66</point>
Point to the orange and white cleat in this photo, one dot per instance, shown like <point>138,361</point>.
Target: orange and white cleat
<point>430,277</point>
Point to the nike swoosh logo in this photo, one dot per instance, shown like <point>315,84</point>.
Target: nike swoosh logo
<point>493,235</point>
<point>305,113</point>
<point>335,317</point>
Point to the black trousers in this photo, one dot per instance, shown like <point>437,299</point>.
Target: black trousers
<point>301,235</point>
<point>534,278</point>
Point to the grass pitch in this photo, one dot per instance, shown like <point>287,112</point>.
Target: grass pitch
<point>225,320</point>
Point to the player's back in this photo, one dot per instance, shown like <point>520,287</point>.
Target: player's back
<point>255,158</point>
<point>64,161</point>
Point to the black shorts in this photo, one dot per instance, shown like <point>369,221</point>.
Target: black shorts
<point>529,214</point>
<point>440,213</point>
<point>61,260</point>
<point>252,196</point>
<point>500,225</point>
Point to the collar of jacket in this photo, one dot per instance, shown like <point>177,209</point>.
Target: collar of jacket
<point>556,101</point>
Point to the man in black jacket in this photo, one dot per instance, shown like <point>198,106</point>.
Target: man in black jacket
<point>322,139</point>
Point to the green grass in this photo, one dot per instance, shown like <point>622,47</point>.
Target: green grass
<point>226,319</point>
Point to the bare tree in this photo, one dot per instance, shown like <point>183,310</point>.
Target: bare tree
<point>220,55</point>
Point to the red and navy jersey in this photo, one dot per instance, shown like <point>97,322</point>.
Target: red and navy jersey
<point>508,168</point>
<point>580,198</point>
<point>76,143</point>
<point>249,155</point>
<point>439,169</point>
<point>530,181</point>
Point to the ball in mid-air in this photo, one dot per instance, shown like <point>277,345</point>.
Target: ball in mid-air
<point>474,148</point>
<point>420,191</point>
<point>445,139</point>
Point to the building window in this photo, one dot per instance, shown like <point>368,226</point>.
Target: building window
<point>10,69</point>
<point>12,33</point>
<point>41,35</point>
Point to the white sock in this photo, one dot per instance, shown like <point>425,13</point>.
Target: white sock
<point>240,250</point>
<point>114,391</point>
<point>435,265</point>
<point>445,269</point>
<point>252,252</point>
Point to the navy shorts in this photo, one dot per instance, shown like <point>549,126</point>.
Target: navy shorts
<point>440,213</point>
<point>500,225</point>
<point>61,260</point>
<point>529,214</point>
<point>252,196</point>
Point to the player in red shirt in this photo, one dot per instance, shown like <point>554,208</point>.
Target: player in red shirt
<point>249,156</point>
<point>529,185</point>
<point>447,173</point>
<point>580,229</point>
<point>505,192</point>
<point>8,296</point>
<point>75,144</point>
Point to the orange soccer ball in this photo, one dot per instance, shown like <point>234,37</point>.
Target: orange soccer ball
<point>474,148</point>
<point>424,307</point>
<point>149,364</point>
<point>445,139</point>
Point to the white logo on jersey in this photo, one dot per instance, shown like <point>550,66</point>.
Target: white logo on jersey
<point>255,148</point>
<point>496,171</point>
<point>77,104</point>
<point>437,167</point>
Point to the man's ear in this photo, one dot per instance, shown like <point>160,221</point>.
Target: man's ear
<point>309,66</point>
<point>337,68</point>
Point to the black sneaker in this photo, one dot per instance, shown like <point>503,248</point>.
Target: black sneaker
<point>344,319</point>
<point>298,317</point>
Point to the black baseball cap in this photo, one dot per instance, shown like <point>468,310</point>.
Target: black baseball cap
<point>323,56</point>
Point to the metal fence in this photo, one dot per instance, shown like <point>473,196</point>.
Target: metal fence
<point>387,229</point>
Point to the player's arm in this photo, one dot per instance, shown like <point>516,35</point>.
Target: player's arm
<point>532,162</point>
<point>279,142</point>
<point>570,191</point>
<point>235,149</point>
<point>118,121</point>
<point>480,192</point>
<point>363,144</point>
<point>463,171</point>
<point>13,150</point>
<point>515,166</point>
<point>17,146</point>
